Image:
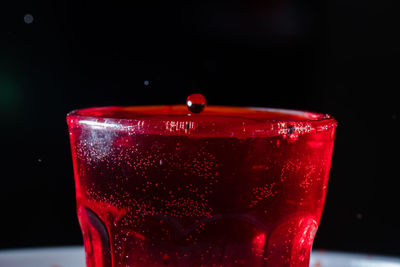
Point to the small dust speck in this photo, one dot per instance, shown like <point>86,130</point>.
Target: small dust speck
<point>28,18</point>
<point>394,116</point>
<point>146,83</point>
<point>359,216</point>
<point>39,160</point>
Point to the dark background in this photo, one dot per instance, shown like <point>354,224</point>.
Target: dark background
<point>334,56</point>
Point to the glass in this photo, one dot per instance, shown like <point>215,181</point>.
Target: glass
<point>160,186</point>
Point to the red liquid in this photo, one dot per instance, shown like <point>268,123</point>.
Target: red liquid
<point>188,198</point>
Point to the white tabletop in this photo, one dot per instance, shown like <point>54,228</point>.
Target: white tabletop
<point>74,257</point>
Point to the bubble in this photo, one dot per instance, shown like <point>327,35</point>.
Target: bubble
<point>196,103</point>
<point>166,259</point>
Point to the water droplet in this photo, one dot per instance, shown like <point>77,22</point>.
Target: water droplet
<point>28,18</point>
<point>196,103</point>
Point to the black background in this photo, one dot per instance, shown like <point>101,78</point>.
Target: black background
<point>334,56</point>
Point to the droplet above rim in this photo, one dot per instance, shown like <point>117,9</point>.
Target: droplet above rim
<point>217,121</point>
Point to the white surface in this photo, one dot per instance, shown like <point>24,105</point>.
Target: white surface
<point>43,257</point>
<point>74,257</point>
<point>337,259</point>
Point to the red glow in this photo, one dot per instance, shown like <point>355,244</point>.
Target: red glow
<point>259,241</point>
<point>137,235</point>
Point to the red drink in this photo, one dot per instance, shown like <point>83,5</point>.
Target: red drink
<point>227,187</point>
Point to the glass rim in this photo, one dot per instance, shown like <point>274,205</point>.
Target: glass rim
<point>217,121</point>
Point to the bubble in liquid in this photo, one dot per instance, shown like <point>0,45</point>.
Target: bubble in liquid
<point>196,103</point>
<point>166,259</point>
<point>290,129</point>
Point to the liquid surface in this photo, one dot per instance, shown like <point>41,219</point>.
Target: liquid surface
<point>182,200</point>
<point>213,121</point>
<point>174,111</point>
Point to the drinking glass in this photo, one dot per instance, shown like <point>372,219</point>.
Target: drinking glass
<point>228,186</point>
